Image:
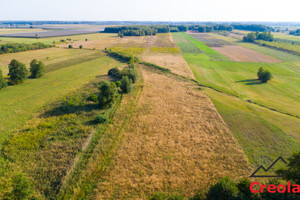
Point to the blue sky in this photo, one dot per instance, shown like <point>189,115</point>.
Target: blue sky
<point>151,10</point>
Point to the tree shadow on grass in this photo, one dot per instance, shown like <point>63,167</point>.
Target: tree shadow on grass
<point>69,109</point>
<point>250,82</point>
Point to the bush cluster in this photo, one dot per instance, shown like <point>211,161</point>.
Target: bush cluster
<point>100,119</point>
<point>122,56</point>
<point>18,72</point>
<point>126,84</point>
<point>251,37</point>
<point>18,47</point>
<point>107,95</point>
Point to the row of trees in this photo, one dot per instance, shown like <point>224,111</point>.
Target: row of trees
<point>18,47</point>
<point>18,72</point>
<point>253,27</point>
<point>251,37</point>
<point>122,56</point>
<point>215,27</point>
<point>296,32</point>
<point>117,29</point>
<point>139,32</point>
<point>143,30</point>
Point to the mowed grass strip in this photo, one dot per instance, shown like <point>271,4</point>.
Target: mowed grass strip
<point>184,44</point>
<point>19,103</point>
<point>188,40</point>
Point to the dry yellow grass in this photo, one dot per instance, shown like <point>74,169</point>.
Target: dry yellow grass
<point>173,61</point>
<point>176,142</point>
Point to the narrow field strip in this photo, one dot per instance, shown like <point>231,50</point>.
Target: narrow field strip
<point>175,129</point>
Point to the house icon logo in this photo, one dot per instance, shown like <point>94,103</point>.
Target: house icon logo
<point>264,170</point>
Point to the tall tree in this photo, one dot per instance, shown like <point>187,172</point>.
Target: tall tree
<point>17,71</point>
<point>37,69</point>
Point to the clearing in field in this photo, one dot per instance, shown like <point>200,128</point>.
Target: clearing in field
<point>177,142</point>
<point>241,54</point>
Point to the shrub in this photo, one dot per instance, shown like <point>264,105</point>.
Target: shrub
<point>132,66</point>
<point>122,56</point>
<point>108,93</point>
<point>224,189</point>
<point>3,83</point>
<point>70,46</point>
<point>260,72</point>
<point>126,84</point>
<point>18,47</point>
<point>93,98</point>
<point>37,69</point>
<point>80,46</point>
<point>118,83</point>
<point>100,119</point>
<point>131,73</point>
<point>114,72</point>
<point>264,75</point>
<point>17,72</point>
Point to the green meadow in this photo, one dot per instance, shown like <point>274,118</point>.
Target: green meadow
<point>19,103</point>
<point>247,105</point>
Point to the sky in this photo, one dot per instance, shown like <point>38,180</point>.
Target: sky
<point>151,10</point>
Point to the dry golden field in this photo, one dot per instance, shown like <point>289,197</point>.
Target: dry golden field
<point>177,142</point>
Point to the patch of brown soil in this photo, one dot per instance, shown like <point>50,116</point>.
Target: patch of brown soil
<point>176,142</point>
<point>237,53</point>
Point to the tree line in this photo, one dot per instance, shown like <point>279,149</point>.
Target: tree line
<point>18,47</point>
<point>251,37</point>
<point>216,27</point>
<point>18,72</point>
<point>253,27</point>
<point>296,32</point>
<point>122,56</point>
<point>143,30</point>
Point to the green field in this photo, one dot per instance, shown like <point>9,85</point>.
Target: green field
<point>19,103</point>
<point>188,44</point>
<point>237,84</point>
<point>286,37</point>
